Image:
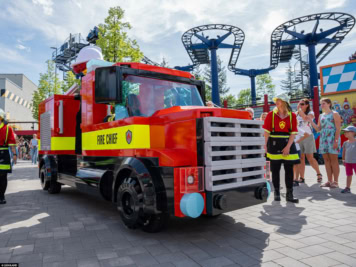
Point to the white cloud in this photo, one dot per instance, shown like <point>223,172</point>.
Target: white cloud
<point>47,6</point>
<point>22,47</point>
<point>330,4</point>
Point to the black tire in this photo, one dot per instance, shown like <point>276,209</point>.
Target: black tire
<point>130,203</point>
<point>43,175</point>
<point>54,187</point>
<point>130,206</point>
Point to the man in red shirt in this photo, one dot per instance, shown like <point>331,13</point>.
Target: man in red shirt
<point>7,139</point>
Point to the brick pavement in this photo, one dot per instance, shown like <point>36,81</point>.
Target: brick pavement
<point>74,229</point>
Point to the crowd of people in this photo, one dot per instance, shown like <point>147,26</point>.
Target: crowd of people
<point>27,149</point>
<point>289,140</point>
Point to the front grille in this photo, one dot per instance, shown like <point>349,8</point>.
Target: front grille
<point>234,153</point>
<point>45,131</point>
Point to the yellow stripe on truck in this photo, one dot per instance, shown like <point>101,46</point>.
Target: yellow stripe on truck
<point>62,143</point>
<point>125,137</point>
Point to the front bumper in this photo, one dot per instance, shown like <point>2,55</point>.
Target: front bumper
<point>223,201</point>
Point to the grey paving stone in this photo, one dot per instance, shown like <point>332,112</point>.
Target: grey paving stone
<point>340,257</point>
<point>320,261</point>
<point>349,236</point>
<point>339,248</point>
<point>243,260</point>
<point>106,255</point>
<point>312,240</point>
<point>267,264</point>
<point>70,263</point>
<point>75,246</point>
<point>144,259</point>
<point>32,264</point>
<point>291,243</point>
<point>171,257</point>
<point>53,247</point>
<point>122,261</point>
<point>289,262</point>
<point>88,262</point>
<point>26,258</point>
<point>5,250</point>
<point>216,262</point>
<point>157,249</point>
<point>131,251</point>
<point>196,254</point>
<point>315,250</point>
<point>292,253</point>
<point>26,249</point>
<point>76,255</point>
<point>52,256</point>
<point>186,263</point>
<point>4,258</point>
<point>271,255</point>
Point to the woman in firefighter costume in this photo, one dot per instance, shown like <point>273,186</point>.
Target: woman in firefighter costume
<point>280,129</point>
<point>7,139</point>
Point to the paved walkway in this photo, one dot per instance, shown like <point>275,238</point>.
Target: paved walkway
<point>73,229</point>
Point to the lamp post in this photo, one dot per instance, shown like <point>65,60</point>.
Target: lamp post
<point>55,68</point>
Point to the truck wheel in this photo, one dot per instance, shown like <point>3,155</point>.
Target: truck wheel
<point>54,187</point>
<point>155,222</point>
<point>130,202</point>
<point>43,174</point>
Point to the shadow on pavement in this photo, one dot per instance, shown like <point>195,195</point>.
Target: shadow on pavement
<point>288,219</point>
<point>315,193</point>
<point>37,229</point>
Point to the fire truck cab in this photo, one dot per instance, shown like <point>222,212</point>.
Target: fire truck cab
<point>141,137</point>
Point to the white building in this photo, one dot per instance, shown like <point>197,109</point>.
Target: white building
<point>16,99</point>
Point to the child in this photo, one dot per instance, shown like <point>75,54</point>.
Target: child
<point>349,156</point>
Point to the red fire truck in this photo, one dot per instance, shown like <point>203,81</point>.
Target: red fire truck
<point>163,152</point>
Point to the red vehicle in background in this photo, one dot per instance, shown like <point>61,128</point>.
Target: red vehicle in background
<point>141,137</point>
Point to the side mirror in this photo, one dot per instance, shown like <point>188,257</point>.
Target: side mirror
<point>108,85</point>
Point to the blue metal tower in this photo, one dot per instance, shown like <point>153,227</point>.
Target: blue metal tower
<point>252,73</point>
<point>199,52</point>
<point>283,49</point>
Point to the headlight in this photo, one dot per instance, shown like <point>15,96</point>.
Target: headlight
<point>190,179</point>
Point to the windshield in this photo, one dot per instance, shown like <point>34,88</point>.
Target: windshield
<point>144,96</point>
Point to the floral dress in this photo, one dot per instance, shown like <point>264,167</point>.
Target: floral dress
<point>327,134</point>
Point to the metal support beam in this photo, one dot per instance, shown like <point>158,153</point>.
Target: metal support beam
<point>214,78</point>
<point>313,71</point>
<point>253,90</point>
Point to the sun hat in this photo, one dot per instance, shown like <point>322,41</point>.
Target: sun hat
<point>284,97</point>
<point>350,129</point>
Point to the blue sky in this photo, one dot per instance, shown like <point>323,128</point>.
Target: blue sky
<point>28,28</point>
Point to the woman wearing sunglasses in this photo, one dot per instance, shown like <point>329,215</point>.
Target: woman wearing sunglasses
<point>307,145</point>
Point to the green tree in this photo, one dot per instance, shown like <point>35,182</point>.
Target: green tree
<point>244,97</point>
<point>114,41</point>
<point>49,84</point>
<point>290,84</point>
<point>264,86</point>
<point>232,101</point>
<point>197,73</point>
<point>69,81</point>
<point>206,76</point>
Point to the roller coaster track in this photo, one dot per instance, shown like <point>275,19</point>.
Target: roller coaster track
<point>277,34</point>
<point>201,56</point>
